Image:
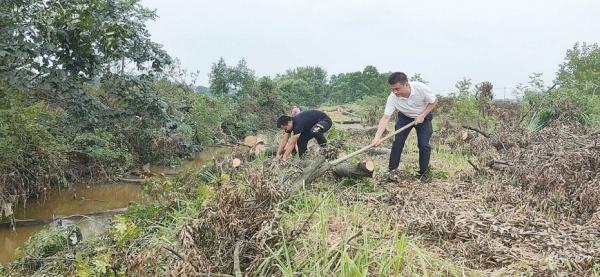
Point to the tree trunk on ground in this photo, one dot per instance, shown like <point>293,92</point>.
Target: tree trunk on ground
<point>251,141</point>
<point>362,169</point>
<point>316,170</point>
<point>348,122</point>
<point>37,222</point>
<point>261,149</point>
<point>235,163</point>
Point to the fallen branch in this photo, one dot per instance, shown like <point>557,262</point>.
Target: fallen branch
<point>348,122</point>
<point>362,169</point>
<point>180,256</point>
<point>474,166</point>
<point>477,130</point>
<point>236,259</point>
<point>37,222</point>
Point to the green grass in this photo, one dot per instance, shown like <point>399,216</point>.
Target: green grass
<point>348,240</point>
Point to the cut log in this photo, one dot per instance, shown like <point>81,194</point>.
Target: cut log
<point>367,165</point>
<point>362,169</point>
<point>250,141</point>
<point>261,149</point>
<point>235,163</point>
<point>341,154</point>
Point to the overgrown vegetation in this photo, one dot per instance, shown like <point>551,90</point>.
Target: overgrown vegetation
<point>85,93</point>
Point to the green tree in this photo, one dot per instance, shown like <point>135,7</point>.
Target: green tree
<point>225,80</point>
<point>581,68</point>
<point>463,87</point>
<point>56,40</point>
<point>242,78</point>
<point>313,82</point>
<point>219,78</point>
<point>348,87</point>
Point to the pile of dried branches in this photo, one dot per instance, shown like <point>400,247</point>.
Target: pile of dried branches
<point>557,170</point>
<point>459,219</point>
<point>232,233</point>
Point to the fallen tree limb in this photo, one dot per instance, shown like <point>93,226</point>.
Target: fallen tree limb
<point>37,222</point>
<point>362,169</point>
<point>236,259</point>
<point>477,130</point>
<point>349,113</point>
<point>177,254</point>
<point>348,122</point>
<point>261,149</point>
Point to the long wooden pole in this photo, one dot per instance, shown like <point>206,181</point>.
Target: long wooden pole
<point>359,151</point>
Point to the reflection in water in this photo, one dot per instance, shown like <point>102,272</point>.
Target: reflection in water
<point>82,199</point>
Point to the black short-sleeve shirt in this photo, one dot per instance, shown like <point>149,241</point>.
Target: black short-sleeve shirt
<point>305,120</point>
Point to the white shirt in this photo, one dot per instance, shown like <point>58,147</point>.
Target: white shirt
<point>414,105</point>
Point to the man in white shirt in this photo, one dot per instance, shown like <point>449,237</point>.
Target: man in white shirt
<point>414,101</point>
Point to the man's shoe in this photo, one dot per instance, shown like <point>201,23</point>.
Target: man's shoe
<point>424,177</point>
<point>390,175</point>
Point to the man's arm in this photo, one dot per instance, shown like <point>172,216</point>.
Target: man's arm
<point>290,146</point>
<point>425,112</point>
<point>282,144</point>
<point>383,122</point>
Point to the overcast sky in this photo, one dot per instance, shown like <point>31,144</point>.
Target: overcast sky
<point>499,41</point>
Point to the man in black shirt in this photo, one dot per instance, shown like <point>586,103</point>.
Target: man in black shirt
<point>305,126</point>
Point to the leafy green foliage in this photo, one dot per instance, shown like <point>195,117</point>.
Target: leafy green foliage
<point>575,100</point>
<point>75,39</point>
<point>581,69</point>
<point>123,230</point>
<point>98,265</point>
<point>370,109</point>
<point>349,87</point>
<point>226,80</point>
<point>307,86</point>
<point>31,150</point>
<point>103,148</point>
<point>46,243</point>
<point>463,87</point>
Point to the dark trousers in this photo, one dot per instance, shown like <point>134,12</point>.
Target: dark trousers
<point>317,132</point>
<point>424,132</point>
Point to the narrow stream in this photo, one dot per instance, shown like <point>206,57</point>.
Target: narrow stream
<point>82,199</point>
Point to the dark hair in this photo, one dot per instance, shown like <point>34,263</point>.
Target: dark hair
<point>397,77</point>
<point>283,120</point>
